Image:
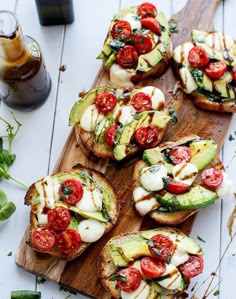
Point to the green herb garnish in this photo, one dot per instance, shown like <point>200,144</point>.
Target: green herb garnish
<point>173,26</point>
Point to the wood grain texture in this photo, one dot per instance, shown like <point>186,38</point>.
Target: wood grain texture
<point>195,15</point>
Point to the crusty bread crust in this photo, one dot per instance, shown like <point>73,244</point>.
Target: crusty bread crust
<point>173,218</point>
<point>106,267</point>
<point>102,149</point>
<point>113,213</point>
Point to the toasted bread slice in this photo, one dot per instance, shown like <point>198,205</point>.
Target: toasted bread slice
<point>98,209</point>
<point>166,203</point>
<point>148,61</point>
<point>216,92</point>
<point>91,125</point>
<point>126,250</point>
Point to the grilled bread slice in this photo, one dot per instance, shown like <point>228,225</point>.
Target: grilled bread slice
<point>137,46</point>
<point>134,253</point>
<point>107,120</point>
<point>70,210</point>
<point>175,179</point>
<point>206,67</point>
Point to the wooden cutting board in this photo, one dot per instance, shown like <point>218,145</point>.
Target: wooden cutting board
<point>80,274</point>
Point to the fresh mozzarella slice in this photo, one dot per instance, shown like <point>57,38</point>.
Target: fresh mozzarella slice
<point>140,293</point>
<point>91,230</point>
<point>121,77</point>
<point>133,20</point>
<point>180,53</point>
<point>144,201</point>
<point>185,173</point>
<point>48,193</point>
<point>42,219</point>
<point>219,41</point>
<point>188,81</point>
<point>157,96</point>
<point>90,118</point>
<point>226,187</point>
<point>126,114</point>
<point>180,255</point>
<point>173,280</point>
<point>151,177</point>
<point>91,200</point>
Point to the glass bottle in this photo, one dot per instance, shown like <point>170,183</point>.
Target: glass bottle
<point>55,12</point>
<point>24,81</point>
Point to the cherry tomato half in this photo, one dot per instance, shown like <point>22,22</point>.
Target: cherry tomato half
<point>121,30</point>
<point>198,57</point>
<point>176,187</point>
<point>141,102</point>
<point>59,218</point>
<point>105,102</point>
<point>152,24</point>
<point>163,247</point>
<point>71,191</point>
<point>233,72</point>
<point>147,136</point>
<point>127,57</point>
<point>180,154</point>
<point>147,9</point>
<point>216,69</point>
<point>43,238</point>
<point>151,267</point>
<point>212,177</point>
<point>110,134</point>
<point>68,241</point>
<point>142,43</point>
<point>192,267</point>
<point>131,279</point>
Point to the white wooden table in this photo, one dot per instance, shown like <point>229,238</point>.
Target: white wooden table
<point>45,130</point>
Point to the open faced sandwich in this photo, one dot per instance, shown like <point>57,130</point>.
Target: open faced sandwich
<point>70,210</point>
<point>138,45</point>
<point>175,179</point>
<point>151,264</point>
<point>206,66</point>
<point>115,123</point>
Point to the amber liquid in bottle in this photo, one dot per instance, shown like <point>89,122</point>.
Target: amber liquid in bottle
<point>24,81</point>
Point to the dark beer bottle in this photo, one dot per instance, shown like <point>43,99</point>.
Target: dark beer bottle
<point>24,81</point>
<point>55,12</point>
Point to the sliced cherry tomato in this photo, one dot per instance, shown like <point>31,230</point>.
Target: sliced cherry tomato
<point>105,102</point>
<point>128,279</point>
<point>216,69</point>
<point>59,218</point>
<point>212,177</point>
<point>198,57</point>
<point>180,154</point>
<point>151,267</point>
<point>176,187</point>
<point>233,72</point>
<point>141,102</point>
<point>192,267</point>
<point>142,43</point>
<point>43,238</point>
<point>127,57</point>
<point>152,24</point>
<point>161,247</point>
<point>110,134</point>
<point>147,9</point>
<point>68,241</point>
<point>121,30</point>
<point>71,191</point>
<point>147,136</point>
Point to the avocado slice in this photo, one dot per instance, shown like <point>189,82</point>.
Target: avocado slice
<point>189,244</point>
<point>223,86</point>
<point>197,197</point>
<point>155,291</point>
<point>147,61</point>
<point>203,151</point>
<point>83,103</point>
